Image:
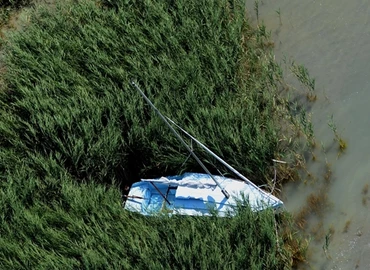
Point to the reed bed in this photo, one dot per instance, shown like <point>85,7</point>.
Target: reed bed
<point>70,95</point>
<point>73,132</point>
<point>85,227</point>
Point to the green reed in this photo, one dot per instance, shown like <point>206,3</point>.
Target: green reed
<point>97,123</point>
<point>86,227</point>
<point>342,144</point>
<point>302,74</point>
<point>278,12</point>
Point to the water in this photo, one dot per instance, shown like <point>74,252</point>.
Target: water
<point>332,39</point>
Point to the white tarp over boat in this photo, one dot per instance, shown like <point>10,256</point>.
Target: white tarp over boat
<point>195,194</point>
<point>188,180</point>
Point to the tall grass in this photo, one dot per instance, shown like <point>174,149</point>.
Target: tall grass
<point>303,76</point>
<point>73,130</point>
<point>68,95</point>
<point>86,227</point>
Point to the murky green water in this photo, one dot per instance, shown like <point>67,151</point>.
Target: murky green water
<point>332,39</point>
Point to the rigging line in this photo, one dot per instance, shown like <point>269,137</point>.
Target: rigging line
<point>191,147</point>
<point>227,195</point>
<point>164,197</point>
<point>220,159</point>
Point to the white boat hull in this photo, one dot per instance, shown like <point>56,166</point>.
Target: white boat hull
<point>195,194</point>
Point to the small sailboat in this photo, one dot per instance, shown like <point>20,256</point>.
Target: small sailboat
<point>195,193</point>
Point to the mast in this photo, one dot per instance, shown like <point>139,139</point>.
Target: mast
<point>227,195</point>
<point>245,179</point>
<point>231,168</point>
